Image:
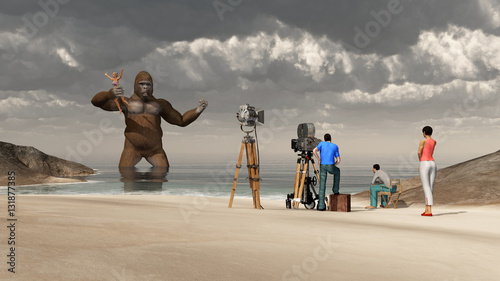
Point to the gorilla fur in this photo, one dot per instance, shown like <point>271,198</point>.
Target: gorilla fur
<point>143,131</point>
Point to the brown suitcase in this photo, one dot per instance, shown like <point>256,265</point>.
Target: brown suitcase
<point>340,202</point>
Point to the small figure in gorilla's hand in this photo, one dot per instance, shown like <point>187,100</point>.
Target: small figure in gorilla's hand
<point>115,79</point>
<point>143,129</point>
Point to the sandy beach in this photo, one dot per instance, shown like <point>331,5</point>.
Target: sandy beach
<point>192,238</point>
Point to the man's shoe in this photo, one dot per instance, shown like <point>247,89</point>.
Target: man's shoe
<point>322,209</point>
<point>370,207</point>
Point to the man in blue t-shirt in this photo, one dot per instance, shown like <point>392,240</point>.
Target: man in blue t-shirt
<point>329,159</point>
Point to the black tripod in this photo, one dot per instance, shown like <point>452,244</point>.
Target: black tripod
<point>303,188</point>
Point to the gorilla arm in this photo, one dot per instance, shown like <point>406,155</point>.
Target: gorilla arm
<point>106,99</point>
<point>173,116</point>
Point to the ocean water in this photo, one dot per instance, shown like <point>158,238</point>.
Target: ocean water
<point>211,179</point>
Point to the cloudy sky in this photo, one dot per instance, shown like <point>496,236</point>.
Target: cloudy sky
<point>372,73</point>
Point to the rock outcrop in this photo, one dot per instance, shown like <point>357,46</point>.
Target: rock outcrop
<point>474,182</point>
<point>31,166</point>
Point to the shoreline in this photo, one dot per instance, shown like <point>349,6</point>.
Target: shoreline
<point>39,180</point>
<point>59,181</point>
<point>360,199</point>
<point>52,183</point>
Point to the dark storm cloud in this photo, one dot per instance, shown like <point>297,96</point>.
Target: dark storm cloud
<point>187,20</point>
<point>107,34</point>
<point>399,22</point>
<point>338,19</point>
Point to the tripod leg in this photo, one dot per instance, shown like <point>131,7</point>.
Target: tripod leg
<point>297,180</point>
<point>298,177</point>
<point>315,170</point>
<point>248,149</point>
<point>317,177</point>
<point>302,181</point>
<point>251,171</point>
<point>235,180</point>
<point>256,178</point>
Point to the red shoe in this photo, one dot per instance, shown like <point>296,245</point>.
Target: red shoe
<point>426,215</point>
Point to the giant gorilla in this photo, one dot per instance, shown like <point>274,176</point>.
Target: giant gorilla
<point>143,130</point>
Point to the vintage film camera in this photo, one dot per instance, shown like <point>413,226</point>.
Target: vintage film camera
<point>304,191</point>
<point>305,141</point>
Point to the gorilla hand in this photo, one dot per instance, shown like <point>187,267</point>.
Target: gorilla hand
<point>202,104</point>
<point>117,91</point>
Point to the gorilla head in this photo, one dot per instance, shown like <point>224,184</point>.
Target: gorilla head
<point>143,86</point>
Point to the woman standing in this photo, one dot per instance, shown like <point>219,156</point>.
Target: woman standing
<point>427,168</point>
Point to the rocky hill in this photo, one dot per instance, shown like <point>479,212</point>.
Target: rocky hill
<point>474,182</point>
<point>31,166</point>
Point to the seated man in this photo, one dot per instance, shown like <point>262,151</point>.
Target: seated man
<point>380,182</point>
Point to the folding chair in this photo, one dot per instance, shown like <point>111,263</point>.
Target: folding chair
<point>390,195</point>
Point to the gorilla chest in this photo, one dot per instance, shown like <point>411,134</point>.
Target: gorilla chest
<point>140,107</point>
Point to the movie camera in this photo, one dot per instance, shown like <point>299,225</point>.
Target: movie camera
<point>305,141</point>
<point>303,188</point>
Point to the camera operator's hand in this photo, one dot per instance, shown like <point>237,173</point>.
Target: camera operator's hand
<point>117,91</point>
<point>202,104</point>
<point>315,152</point>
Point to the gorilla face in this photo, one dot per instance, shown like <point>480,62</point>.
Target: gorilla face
<point>143,86</point>
<point>146,89</point>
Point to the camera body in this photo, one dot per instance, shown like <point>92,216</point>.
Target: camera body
<point>249,116</point>
<point>305,141</point>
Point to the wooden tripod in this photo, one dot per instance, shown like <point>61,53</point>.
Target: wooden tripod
<point>302,172</point>
<point>248,143</point>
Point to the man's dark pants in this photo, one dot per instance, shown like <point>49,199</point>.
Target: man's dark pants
<point>332,169</point>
